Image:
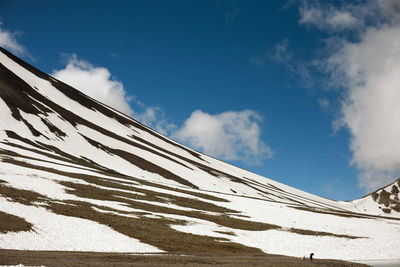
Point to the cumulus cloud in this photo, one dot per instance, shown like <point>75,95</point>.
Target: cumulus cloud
<point>8,41</point>
<point>229,135</point>
<point>371,109</point>
<point>368,71</point>
<point>96,82</point>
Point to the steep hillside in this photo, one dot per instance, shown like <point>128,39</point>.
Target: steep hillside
<point>77,175</point>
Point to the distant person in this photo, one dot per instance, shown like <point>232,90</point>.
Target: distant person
<point>311,256</point>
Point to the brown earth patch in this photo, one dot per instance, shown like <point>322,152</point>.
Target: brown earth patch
<point>318,233</point>
<point>21,196</point>
<point>12,223</point>
<point>385,210</point>
<point>397,208</point>
<point>384,197</point>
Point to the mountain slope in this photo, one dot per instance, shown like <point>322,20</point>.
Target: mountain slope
<point>384,200</point>
<point>77,175</point>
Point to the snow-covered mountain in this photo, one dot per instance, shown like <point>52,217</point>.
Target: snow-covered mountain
<point>384,200</point>
<point>77,175</point>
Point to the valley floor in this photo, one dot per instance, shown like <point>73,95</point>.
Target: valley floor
<point>64,258</point>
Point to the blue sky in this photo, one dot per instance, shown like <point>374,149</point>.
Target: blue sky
<point>293,90</point>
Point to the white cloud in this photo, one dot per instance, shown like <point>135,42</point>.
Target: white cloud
<point>228,135</point>
<point>368,70</point>
<point>328,17</point>
<point>96,82</point>
<point>348,15</point>
<point>310,15</point>
<point>371,110</point>
<point>342,20</point>
<point>9,42</point>
<point>366,65</point>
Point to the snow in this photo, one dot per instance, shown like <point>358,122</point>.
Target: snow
<point>40,182</point>
<point>9,123</point>
<point>379,241</point>
<point>267,202</point>
<point>58,232</point>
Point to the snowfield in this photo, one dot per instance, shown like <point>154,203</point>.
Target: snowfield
<point>58,232</point>
<point>88,178</point>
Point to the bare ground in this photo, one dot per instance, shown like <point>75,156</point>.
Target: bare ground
<point>63,258</point>
<point>11,223</point>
